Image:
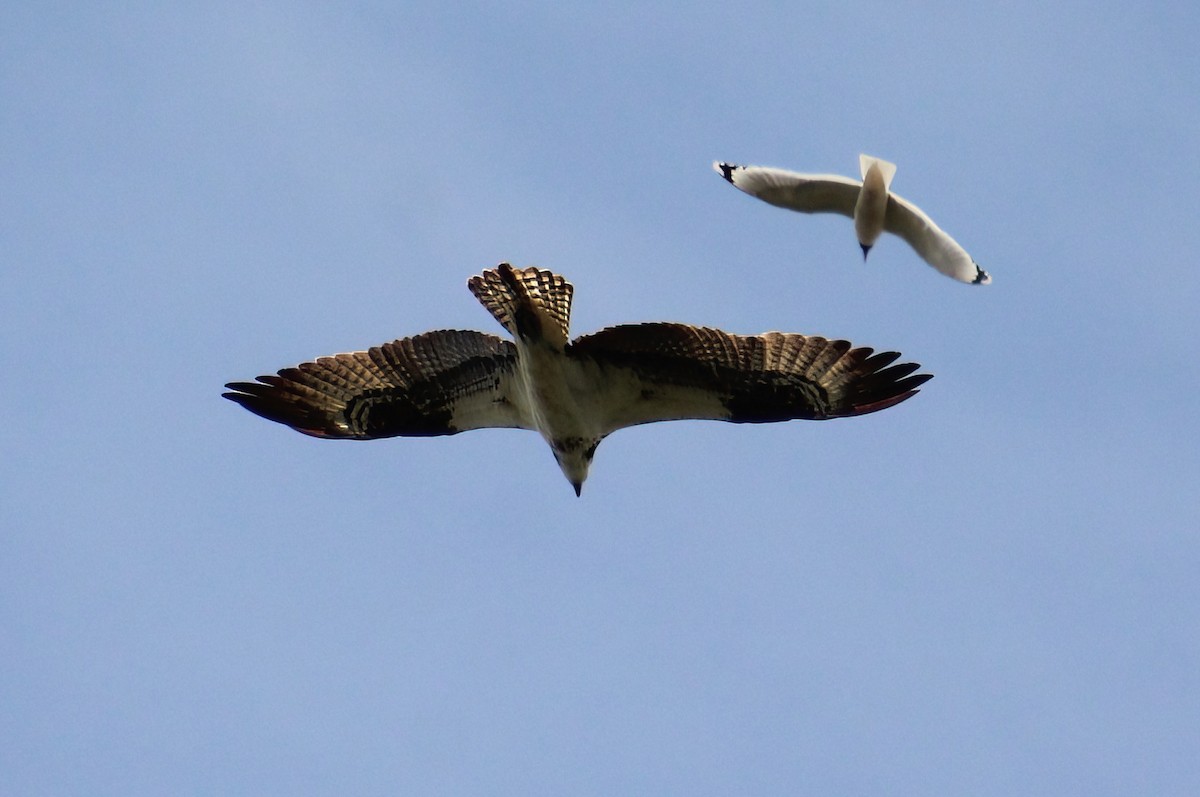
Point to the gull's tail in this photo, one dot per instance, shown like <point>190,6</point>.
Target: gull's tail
<point>887,169</point>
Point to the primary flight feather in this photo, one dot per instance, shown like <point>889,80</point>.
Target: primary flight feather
<point>870,202</point>
<point>574,393</point>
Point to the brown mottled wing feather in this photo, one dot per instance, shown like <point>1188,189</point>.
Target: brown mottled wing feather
<point>520,298</point>
<point>655,372</point>
<point>433,384</point>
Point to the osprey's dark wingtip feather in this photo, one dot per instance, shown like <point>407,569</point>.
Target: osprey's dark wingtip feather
<point>289,403</point>
<point>878,384</point>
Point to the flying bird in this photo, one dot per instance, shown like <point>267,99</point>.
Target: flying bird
<point>574,393</point>
<point>870,203</point>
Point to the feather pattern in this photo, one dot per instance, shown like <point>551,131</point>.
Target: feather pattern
<point>677,371</point>
<point>437,383</point>
<point>520,298</point>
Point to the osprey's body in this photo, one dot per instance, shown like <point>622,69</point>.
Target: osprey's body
<point>561,406</point>
<point>573,393</point>
<point>558,391</point>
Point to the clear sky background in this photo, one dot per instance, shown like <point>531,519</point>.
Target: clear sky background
<point>989,590</point>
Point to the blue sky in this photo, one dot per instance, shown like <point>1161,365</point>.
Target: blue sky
<point>990,589</point>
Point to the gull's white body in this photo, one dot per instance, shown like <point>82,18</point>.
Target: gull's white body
<point>870,202</point>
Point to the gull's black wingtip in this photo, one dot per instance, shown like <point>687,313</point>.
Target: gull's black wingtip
<point>724,169</point>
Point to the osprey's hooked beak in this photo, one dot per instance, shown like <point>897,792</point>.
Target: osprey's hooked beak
<point>574,465</point>
<point>574,457</point>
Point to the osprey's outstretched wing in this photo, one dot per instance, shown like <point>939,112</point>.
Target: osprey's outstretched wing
<point>437,383</point>
<point>660,372</point>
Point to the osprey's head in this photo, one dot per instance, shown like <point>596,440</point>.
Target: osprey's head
<point>574,455</point>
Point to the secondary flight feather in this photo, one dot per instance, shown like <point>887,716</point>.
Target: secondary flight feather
<point>870,202</point>
<point>574,393</point>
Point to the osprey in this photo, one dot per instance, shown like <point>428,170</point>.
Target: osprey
<point>574,393</point>
<point>870,203</point>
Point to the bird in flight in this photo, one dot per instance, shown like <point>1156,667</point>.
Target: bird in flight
<point>574,393</point>
<point>870,203</point>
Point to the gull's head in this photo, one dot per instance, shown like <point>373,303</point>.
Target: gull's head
<point>574,457</point>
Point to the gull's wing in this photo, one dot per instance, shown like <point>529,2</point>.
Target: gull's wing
<point>930,242</point>
<point>661,372</point>
<point>806,193</point>
<point>432,384</point>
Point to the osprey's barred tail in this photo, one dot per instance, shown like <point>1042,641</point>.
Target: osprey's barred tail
<point>531,303</point>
